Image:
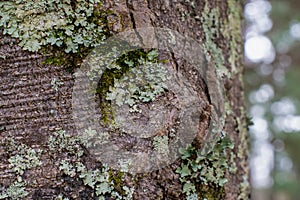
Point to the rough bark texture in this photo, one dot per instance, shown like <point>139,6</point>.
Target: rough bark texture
<point>31,109</point>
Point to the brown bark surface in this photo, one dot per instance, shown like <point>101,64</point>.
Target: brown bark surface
<point>31,109</point>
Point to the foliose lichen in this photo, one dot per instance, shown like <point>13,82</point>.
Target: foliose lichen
<point>22,158</point>
<point>135,77</point>
<point>16,191</point>
<point>142,84</point>
<point>197,169</point>
<point>68,24</point>
<point>103,180</point>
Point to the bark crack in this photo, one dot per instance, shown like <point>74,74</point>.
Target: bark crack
<point>130,7</point>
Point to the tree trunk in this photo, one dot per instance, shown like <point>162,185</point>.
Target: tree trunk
<point>43,155</point>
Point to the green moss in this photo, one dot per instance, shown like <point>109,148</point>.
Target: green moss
<point>117,178</point>
<point>58,58</point>
<point>212,193</point>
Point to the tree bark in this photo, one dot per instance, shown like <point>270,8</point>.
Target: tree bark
<point>36,101</point>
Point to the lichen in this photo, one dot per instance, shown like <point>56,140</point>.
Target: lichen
<point>55,84</point>
<point>197,170</point>
<point>69,24</point>
<point>211,26</point>
<point>142,84</point>
<point>136,76</point>
<point>161,145</point>
<point>229,29</point>
<point>15,191</point>
<point>61,142</point>
<point>241,152</point>
<point>103,180</point>
<point>233,33</point>
<point>22,158</point>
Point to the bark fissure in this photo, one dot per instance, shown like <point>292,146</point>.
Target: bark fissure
<point>130,8</point>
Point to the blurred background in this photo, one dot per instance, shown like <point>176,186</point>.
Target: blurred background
<point>272,81</point>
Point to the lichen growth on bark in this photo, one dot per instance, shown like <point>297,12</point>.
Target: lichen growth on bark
<point>68,24</point>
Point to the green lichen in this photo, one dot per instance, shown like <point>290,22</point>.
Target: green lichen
<point>230,27</point>
<point>140,83</point>
<point>209,169</point>
<point>211,25</point>
<point>242,151</point>
<point>244,188</point>
<point>161,145</point>
<point>91,138</point>
<point>233,33</point>
<point>60,142</point>
<point>22,158</point>
<point>26,158</point>
<point>15,191</point>
<point>55,84</point>
<point>135,77</point>
<point>103,180</point>
<point>61,197</point>
<point>69,24</point>
<point>67,168</point>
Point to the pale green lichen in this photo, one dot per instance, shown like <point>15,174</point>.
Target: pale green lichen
<point>26,158</point>
<point>142,83</point>
<point>101,180</point>
<point>98,179</point>
<point>127,78</point>
<point>204,169</point>
<point>67,168</point>
<point>232,30</point>
<point>230,27</point>
<point>68,24</point>
<point>61,197</point>
<point>211,25</point>
<point>15,191</point>
<point>55,84</point>
<point>61,142</point>
<point>244,188</point>
<point>23,158</point>
<point>241,152</point>
<point>161,145</point>
<point>91,138</point>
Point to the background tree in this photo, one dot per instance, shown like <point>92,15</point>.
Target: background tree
<point>275,71</point>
